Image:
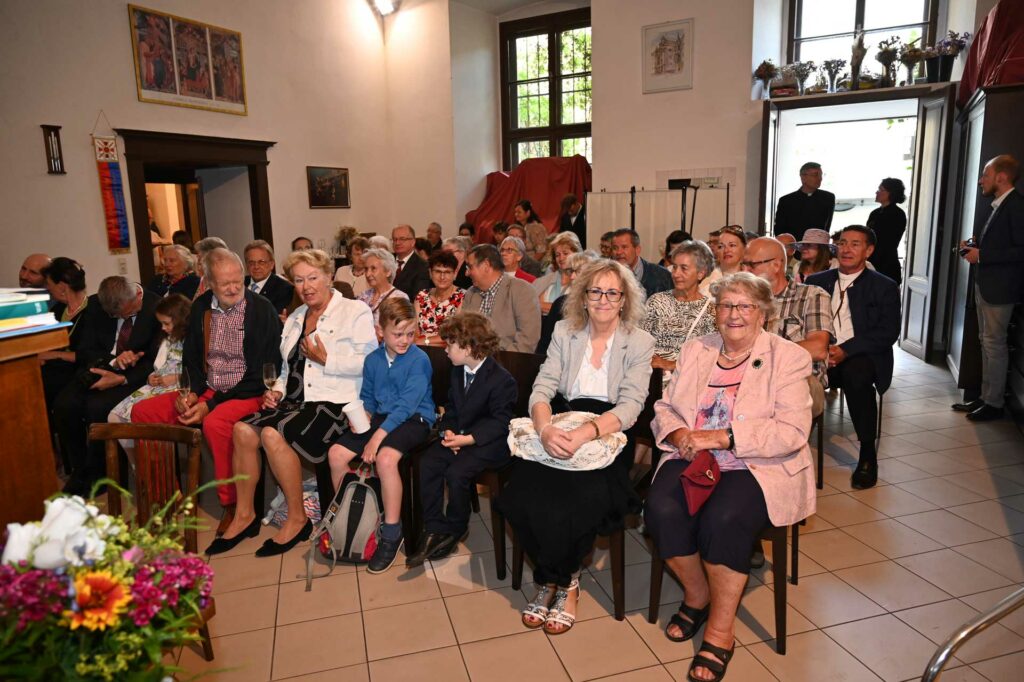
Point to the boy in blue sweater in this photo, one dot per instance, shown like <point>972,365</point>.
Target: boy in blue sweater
<point>396,394</point>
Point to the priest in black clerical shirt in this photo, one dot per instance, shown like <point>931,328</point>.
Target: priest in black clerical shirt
<point>807,207</point>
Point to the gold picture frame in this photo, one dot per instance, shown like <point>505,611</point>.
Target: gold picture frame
<point>186,63</point>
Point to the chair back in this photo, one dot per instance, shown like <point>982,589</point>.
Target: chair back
<point>642,430</point>
<point>524,368</point>
<point>156,466</point>
<point>442,368</point>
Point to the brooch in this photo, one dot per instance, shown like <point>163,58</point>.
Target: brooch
<point>757,363</point>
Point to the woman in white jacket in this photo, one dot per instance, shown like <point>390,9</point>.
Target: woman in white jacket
<point>323,343</point>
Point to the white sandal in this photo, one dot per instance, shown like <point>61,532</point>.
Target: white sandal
<point>557,614</point>
<point>538,608</point>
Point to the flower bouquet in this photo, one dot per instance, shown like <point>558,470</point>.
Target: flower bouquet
<point>953,44</point>
<point>800,72</point>
<point>833,67</point>
<point>910,57</point>
<point>766,72</point>
<point>888,53</point>
<point>84,596</point>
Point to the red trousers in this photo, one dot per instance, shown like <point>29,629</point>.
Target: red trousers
<point>217,428</point>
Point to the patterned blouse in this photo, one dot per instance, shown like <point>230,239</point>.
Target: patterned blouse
<point>715,410</point>
<point>668,320</point>
<point>432,313</point>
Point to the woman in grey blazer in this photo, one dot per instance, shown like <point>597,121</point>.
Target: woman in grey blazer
<point>599,361</point>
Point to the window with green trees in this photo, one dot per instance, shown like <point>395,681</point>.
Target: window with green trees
<point>546,93</point>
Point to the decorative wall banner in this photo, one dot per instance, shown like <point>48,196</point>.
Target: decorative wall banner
<point>112,194</point>
<point>187,63</point>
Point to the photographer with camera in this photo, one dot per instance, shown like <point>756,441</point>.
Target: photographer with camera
<point>997,253</point>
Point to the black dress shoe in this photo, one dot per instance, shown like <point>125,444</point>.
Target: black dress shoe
<point>986,413</point>
<point>429,544</point>
<point>271,548</point>
<point>448,545</point>
<point>865,475</point>
<point>221,545</point>
<point>968,407</point>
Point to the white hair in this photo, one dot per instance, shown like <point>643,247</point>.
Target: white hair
<point>387,261</point>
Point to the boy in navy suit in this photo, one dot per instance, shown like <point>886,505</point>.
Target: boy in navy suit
<point>474,432</point>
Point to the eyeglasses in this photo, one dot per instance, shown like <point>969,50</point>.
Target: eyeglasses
<point>442,273</point>
<point>510,249</point>
<point>613,295</point>
<point>751,264</point>
<point>743,308</point>
<point>403,239</point>
<point>250,263</point>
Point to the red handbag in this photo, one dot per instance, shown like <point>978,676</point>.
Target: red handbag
<point>699,480</point>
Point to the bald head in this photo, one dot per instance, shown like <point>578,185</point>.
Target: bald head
<point>766,258</point>
<point>31,273</point>
<point>789,241</point>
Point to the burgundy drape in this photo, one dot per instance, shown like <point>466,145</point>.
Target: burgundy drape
<point>997,52</point>
<point>543,181</point>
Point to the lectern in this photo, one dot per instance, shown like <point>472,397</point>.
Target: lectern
<point>27,472</point>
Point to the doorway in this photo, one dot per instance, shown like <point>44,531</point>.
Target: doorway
<point>214,186</point>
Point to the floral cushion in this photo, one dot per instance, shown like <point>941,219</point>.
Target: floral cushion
<point>524,442</point>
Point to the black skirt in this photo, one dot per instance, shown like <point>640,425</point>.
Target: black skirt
<point>309,428</point>
<point>558,513</point>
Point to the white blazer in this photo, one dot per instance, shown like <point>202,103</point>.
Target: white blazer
<point>346,331</point>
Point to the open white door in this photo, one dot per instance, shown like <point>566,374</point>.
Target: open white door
<point>925,219</point>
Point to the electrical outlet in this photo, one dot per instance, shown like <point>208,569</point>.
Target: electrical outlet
<point>122,266</point>
<point>714,181</point>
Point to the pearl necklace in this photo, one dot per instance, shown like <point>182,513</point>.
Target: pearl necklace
<point>732,358</point>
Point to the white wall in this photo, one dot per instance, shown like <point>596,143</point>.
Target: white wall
<point>714,125</point>
<point>228,207</point>
<point>421,161</point>
<point>315,78</point>
<point>165,202</point>
<point>476,115</point>
<point>544,7</point>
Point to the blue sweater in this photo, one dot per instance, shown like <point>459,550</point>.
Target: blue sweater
<point>400,391</point>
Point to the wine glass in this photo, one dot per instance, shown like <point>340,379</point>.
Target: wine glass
<point>184,387</point>
<point>269,375</point>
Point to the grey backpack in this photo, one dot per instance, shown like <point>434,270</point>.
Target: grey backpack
<point>348,531</point>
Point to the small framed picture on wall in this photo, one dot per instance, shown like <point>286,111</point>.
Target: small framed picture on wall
<point>328,187</point>
<point>667,56</point>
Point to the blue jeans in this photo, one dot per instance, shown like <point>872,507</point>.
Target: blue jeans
<point>993,322</point>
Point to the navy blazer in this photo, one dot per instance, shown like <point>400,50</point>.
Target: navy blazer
<point>277,290</point>
<point>1000,269</point>
<point>485,410</point>
<point>98,332</point>
<point>655,278</point>
<point>875,309</point>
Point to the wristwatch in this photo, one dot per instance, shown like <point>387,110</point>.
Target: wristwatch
<point>732,439</point>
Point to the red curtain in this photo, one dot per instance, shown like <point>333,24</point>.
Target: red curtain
<point>997,52</point>
<point>543,181</point>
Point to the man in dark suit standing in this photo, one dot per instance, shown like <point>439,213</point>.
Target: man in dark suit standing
<point>998,261</point>
<point>866,323</point>
<point>262,278</point>
<point>810,206</point>
<point>413,275</point>
<point>120,339</point>
<point>626,249</point>
<point>574,218</point>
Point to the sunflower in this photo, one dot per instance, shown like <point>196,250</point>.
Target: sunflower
<point>100,598</point>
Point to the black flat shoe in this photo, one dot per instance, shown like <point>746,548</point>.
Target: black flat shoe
<point>865,475</point>
<point>968,407</point>
<point>221,545</point>
<point>986,413</point>
<point>271,548</point>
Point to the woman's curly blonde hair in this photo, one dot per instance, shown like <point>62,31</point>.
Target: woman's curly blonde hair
<point>575,309</point>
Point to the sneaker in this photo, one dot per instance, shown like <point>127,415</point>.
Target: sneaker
<point>384,557</point>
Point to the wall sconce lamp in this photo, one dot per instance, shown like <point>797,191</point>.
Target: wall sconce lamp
<point>54,153</point>
<point>385,7</point>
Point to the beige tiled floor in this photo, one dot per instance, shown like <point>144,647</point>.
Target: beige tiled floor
<point>885,574</point>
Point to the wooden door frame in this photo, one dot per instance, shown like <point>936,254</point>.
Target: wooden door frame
<point>143,147</point>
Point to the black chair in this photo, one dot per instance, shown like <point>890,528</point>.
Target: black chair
<point>819,425</point>
<point>777,536</point>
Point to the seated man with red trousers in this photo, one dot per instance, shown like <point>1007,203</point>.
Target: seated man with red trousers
<point>232,333</point>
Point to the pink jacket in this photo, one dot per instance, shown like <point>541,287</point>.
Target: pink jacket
<point>771,418</point>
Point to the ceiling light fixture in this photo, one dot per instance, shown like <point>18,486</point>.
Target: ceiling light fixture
<point>385,7</point>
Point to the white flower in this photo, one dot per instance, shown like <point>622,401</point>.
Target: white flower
<point>49,555</point>
<point>21,538</point>
<point>83,545</point>
<point>65,515</point>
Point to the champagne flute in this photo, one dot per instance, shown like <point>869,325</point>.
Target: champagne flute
<point>184,388</point>
<point>269,375</point>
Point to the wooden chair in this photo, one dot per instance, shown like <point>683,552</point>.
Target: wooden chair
<point>819,425</point>
<point>157,478</point>
<point>617,539</point>
<point>777,536</point>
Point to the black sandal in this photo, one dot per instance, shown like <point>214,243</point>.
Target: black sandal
<point>688,627</point>
<point>717,669</point>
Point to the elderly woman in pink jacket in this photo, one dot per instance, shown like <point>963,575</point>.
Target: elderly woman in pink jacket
<point>742,395</point>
